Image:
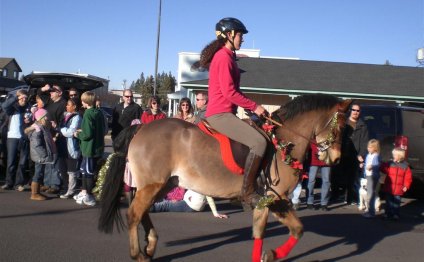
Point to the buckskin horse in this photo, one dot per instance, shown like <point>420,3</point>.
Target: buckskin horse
<point>155,159</point>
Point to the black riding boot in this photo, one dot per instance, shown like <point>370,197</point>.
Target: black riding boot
<point>249,197</point>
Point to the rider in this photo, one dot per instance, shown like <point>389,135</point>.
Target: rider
<point>225,96</point>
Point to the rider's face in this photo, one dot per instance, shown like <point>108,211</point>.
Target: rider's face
<point>238,40</point>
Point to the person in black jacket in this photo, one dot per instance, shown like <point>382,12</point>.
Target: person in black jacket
<point>354,150</point>
<point>56,107</point>
<point>124,113</point>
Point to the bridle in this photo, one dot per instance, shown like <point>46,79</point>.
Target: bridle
<point>322,145</point>
<point>331,138</point>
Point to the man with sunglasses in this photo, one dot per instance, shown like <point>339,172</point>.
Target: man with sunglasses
<point>354,150</point>
<point>124,113</point>
<point>201,105</point>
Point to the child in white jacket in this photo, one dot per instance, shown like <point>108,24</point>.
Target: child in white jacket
<point>72,122</point>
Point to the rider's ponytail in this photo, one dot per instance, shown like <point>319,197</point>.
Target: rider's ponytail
<point>209,51</point>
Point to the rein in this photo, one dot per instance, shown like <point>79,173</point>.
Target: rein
<point>322,146</point>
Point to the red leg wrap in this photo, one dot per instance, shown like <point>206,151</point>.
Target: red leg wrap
<point>257,250</point>
<point>283,250</point>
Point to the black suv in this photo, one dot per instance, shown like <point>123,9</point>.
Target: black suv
<point>399,126</point>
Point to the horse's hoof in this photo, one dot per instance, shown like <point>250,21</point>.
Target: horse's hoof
<point>268,256</point>
<point>142,258</point>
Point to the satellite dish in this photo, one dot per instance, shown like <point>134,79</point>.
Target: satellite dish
<point>420,55</point>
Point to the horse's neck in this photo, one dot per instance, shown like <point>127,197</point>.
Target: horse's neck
<point>300,132</point>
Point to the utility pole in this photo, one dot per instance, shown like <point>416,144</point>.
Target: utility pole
<point>157,49</point>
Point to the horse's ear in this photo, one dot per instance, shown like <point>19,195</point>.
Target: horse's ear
<point>344,105</point>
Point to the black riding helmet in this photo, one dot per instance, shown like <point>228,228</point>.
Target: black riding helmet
<point>229,24</point>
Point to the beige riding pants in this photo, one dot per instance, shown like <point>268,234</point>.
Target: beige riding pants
<point>238,130</point>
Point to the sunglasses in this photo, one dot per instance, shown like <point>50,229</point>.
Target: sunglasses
<point>72,95</point>
<point>184,105</point>
<point>356,110</point>
<point>128,96</point>
<point>154,103</point>
<point>199,99</point>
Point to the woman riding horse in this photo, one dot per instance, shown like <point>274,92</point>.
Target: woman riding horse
<point>225,96</point>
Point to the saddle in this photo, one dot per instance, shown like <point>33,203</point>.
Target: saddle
<point>233,153</point>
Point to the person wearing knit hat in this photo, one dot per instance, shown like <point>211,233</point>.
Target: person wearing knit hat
<point>40,113</point>
<point>42,150</point>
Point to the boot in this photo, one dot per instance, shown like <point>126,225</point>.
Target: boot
<point>72,183</point>
<point>35,192</point>
<point>249,197</point>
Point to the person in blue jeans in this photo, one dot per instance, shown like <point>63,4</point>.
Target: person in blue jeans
<point>191,202</point>
<point>325,171</point>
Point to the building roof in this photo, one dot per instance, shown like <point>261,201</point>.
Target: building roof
<point>367,81</point>
<point>5,61</point>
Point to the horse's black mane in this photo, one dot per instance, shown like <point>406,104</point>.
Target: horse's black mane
<point>306,103</point>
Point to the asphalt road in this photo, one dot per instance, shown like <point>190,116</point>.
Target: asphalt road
<point>61,230</point>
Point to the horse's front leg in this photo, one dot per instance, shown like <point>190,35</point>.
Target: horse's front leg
<point>260,218</point>
<point>283,211</point>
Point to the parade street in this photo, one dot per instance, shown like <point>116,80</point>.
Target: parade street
<point>61,230</point>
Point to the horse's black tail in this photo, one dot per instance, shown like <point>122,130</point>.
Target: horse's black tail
<point>113,181</point>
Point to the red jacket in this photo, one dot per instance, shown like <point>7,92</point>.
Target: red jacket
<point>314,157</point>
<point>148,117</point>
<point>224,85</point>
<point>398,176</point>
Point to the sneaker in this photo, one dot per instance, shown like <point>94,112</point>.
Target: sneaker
<point>89,200</point>
<point>44,188</point>
<point>295,207</point>
<point>6,187</point>
<point>20,188</point>
<point>368,215</point>
<point>324,208</point>
<point>79,197</point>
<point>67,195</point>
<point>310,206</point>
<point>53,190</point>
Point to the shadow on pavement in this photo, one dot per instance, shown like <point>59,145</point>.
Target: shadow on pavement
<point>361,232</point>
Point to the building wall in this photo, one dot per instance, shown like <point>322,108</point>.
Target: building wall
<point>12,71</point>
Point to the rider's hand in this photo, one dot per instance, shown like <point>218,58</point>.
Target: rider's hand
<point>260,110</point>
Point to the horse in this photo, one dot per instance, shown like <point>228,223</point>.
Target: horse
<point>157,163</point>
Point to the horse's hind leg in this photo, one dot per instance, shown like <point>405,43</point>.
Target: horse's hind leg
<point>138,211</point>
<point>285,214</point>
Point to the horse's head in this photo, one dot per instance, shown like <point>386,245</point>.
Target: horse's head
<point>328,137</point>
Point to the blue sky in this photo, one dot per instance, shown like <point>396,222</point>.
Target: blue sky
<point>117,39</point>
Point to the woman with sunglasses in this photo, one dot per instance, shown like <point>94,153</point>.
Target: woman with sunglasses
<point>153,112</point>
<point>225,97</point>
<point>185,110</point>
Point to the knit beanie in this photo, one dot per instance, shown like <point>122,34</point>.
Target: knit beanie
<point>40,113</point>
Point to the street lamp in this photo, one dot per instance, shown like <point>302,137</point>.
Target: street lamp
<point>157,49</point>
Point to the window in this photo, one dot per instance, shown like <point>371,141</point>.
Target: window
<point>380,121</point>
<point>4,72</point>
<point>15,74</point>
